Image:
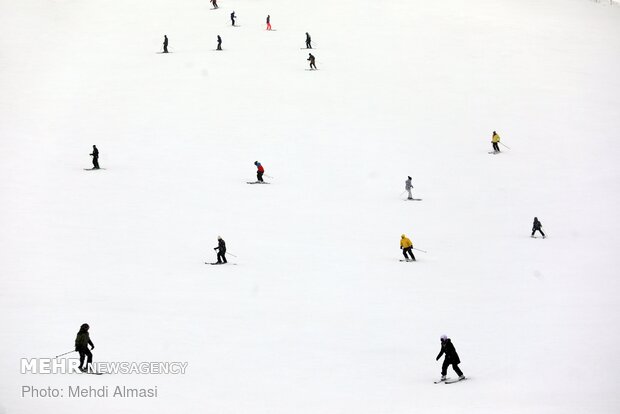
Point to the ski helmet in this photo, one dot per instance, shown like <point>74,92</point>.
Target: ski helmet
<point>443,338</point>
<point>84,326</point>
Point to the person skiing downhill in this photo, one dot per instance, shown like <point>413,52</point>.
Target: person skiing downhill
<point>308,41</point>
<point>95,155</point>
<point>259,171</point>
<point>537,226</point>
<point>219,43</point>
<point>82,341</point>
<point>233,17</point>
<point>221,250</point>
<point>268,22</point>
<point>311,59</point>
<point>407,248</point>
<point>214,3</point>
<point>452,358</point>
<point>408,187</point>
<point>495,142</point>
<point>165,44</point>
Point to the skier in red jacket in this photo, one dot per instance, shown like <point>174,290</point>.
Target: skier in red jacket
<point>259,171</point>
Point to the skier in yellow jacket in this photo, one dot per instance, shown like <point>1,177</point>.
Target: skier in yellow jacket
<point>407,247</point>
<point>495,141</point>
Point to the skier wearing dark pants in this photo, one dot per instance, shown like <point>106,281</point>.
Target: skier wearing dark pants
<point>232,18</point>
<point>495,141</point>
<point>452,358</point>
<point>268,22</point>
<point>214,3</point>
<point>259,171</point>
<point>537,226</point>
<point>82,341</point>
<point>311,59</point>
<point>221,250</point>
<point>95,155</point>
<point>308,41</point>
<point>407,247</point>
<point>219,42</point>
<point>408,187</point>
<point>165,44</point>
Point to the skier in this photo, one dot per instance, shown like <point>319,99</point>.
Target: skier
<point>268,22</point>
<point>495,141</point>
<point>408,187</point>
<point>259,171</point>
<point>95,156</point>
<point>452,358</point>
<point>82,340</point>
<point>219,43</point>
<point>165,44</point>
<point>537,226</point>
<point>214,3</point>
<point>407,248</point>
<point>311,60</point>
<point>221,250</point>
<point>308,40</point>
<point>233,17</point>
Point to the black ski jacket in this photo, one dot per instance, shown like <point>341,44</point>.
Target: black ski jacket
<point>448,349</point>
<point>537,225</point>
<point>221,246</point>
<point>82,340</point>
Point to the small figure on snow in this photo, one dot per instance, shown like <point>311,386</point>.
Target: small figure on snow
<point>537,226</point>
<point>214,3</point>
<point>311,59</point>
<point>407,248</point>
<point>95,155</point>
<point>219,43</point>
<point>268,22</point>
<point>82,341</point>
<point>308,41</point>
<point>408,187</point>
<point>259,171</point>
<point>233,17</point>
<point>452,358</point>
<point>495,141</point>
<point>165,44</point>
<point>221,250</point>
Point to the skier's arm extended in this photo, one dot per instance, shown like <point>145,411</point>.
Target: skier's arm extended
<point>440,354</point>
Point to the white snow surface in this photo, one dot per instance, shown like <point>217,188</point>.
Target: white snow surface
<point>319,315</point>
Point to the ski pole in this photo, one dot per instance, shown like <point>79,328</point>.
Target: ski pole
<point>504,145</point>
<point>231,254</point>
<point>402,193</point>
<point>420,250</point>
<point>64,354</point>
<point>268,176</point>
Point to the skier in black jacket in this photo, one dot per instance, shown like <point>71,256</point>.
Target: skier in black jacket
<point>452,358</point>
<point>311,59</point>
<point>221,250</point>
<point>95,156</point>
<point>537,226</point>
<point>219,42</point>
<point>82,340</point>
<point>232,18</point>
<point>165,44</point>
<point>308,41</point>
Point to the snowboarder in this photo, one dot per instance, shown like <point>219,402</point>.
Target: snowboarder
<point>214,3</point>
<point>408,187</point>
<point>495,141</point>
<point>268,22</point>
<point>407,248</point>
<point>452,358</point>
<point>259,171</point>
<point>82,340</point>
<point>165,44</point>
<point>233,17</point>
<point>308,40</point>
<point>221,250</point>
<point>537,226</point>
<point>311,60</point>
<point>95,156</point>
<point>219,43</point>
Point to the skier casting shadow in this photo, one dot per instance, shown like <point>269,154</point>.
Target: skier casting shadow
<point>407,248</point>
<point>221,250</point>
<point>308,41</point>
<point>233,17</point>
<point>82,340</point>
<point>165,44</point>
<point>452,358</point>
<point>259,171</point>
<point>219,43</point>
<point>495,141</point>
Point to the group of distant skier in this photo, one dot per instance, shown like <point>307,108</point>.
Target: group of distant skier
<point>233,19</point>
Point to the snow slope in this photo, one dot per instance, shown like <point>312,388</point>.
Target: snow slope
<point>319,316</point>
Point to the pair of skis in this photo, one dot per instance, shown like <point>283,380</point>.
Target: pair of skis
<point>449,381</point>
